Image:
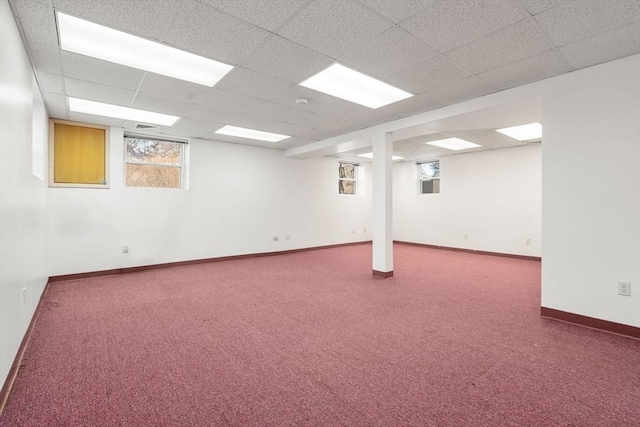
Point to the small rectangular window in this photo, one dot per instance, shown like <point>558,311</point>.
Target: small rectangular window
<point>429,173</point>
<point>347,178</point>
<point>78,155</point>
<point>153,162</point>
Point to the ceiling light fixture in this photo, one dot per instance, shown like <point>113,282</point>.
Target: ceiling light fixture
<point>370,156</point>
<point>345,83</point>
<point>526,132</point>
<point>116,111</point>
<point>453,144</point>
<point>251,134</point>
<point>97,41</point>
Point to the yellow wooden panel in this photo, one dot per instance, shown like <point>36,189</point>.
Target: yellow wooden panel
<point>79,155</point>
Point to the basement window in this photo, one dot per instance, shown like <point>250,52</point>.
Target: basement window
<point>154,163</point>
<point>429,175</point>
<point>347,178</point>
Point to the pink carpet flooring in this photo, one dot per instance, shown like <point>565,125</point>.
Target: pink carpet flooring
<point>454,339</point>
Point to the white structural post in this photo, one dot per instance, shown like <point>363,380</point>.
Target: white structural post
<point>382,206</point>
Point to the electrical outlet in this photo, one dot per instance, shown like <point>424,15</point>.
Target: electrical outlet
<point>353,231</point>
<point>287,237</point>
<point>276,238</point>
<point>466,236</point>
<point>24,296</point>
<point>624,288</point>
<point>125,249</point>
<point>527,241</point>
<point>364,230</point>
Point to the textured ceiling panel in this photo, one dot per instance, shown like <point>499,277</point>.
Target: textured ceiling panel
<point>448,24</point>
<point>397,11</point>
<point>460,90</point>
<point>287,60</point>
<point>97,92</point>
<point>407,107</point>
<point>148,18</point>
<point>95,70</point>
<point>618,43</point>
<point>250,83</point>
<point>268,14</point>
<point>537,6</point>
<point>45,58</point>
<point>534,68</point>
<point>581,19</point>
<point>435,72</point>
<point>206,31</point>
<point>37,21</point>
<point>159,105</point>
<point>400,49</point>
<point>173,89</point>
<point>50,82</point>
<point>230,101</point>
<point>334,27</point>
<point>503,47</point>
<point>217,115</point>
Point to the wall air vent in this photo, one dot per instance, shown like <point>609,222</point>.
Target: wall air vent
<point>147,128</point>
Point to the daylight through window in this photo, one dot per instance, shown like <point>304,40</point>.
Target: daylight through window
<point>429,173</point>
<point>153,163</point>
<point>347,174</point>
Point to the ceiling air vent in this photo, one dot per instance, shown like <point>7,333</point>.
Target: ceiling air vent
<point>147,128</point>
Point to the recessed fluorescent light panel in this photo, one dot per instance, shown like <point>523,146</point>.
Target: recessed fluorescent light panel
<point>453,144</point>
<point>370,156</point>
<point>97,41</point>
<point>345,83</point>
<point>108,110</point>
<point>523,132</point>
<point>251,134</point>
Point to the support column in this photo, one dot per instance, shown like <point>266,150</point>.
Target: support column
<point>382,206</point>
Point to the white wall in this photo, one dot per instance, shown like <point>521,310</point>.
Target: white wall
<point>491,196</point>
<point>23,196</point>
<point>239,198</point>
<point>591,190</point>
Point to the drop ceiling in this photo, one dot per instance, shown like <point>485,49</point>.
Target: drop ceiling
<point>443,52</point>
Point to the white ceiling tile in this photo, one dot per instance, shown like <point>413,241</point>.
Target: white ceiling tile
<point>605,47</point>
<point>96,120</point>
<point>309,119</point>
<point>95,70</point>
<point>399,49</point>
<point>230,101</point>
<point>257,123</point>
<point>148,18</point>
<point>269,14</point>
<point>250,83</point>
<point>193,128</point>
<point>275,112</point>
<point>58,113</point>
<point>341,109</point>
<point>50,82</point>
<point>37,21</point>
<point>410,106</point>
<point>528,70</point>
<point>55,100</point>
<point>373,117</point>
<point>503,47</point>
<point>585,18</point>
<point>537,6</point>
<point>201,29</point>
<point>217,115</point>
<point>397,11</point>
<point>315,99</point>
<point>45,58</point>
<point>334,27</point>
<point>159,105</point>
<point>448,24</point>
<point>339,127</point>
<point>428,75</point>
<point>287,60</point>
<point>459,91</point>
<point>174,89</point>
<point>98,92</point>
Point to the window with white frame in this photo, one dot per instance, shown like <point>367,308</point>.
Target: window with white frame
<point>429,174</point>
<point>347,178</point>
<point>153,162</point>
